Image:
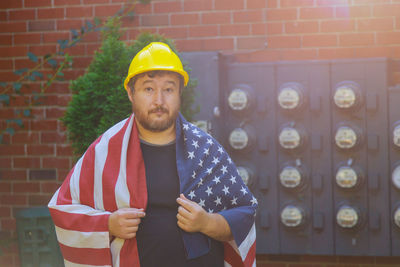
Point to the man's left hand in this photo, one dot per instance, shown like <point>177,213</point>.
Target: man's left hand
<point>191,216</point>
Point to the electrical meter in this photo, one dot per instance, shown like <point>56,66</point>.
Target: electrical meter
<point>290,138</point>
<point>238,99</point>
<point>347,95</point>
<point>346,137</point>
<point>292,216</point>
<point>290,177</point>
<point>245,174</point>
<point>396,135</point>
<point>347,217</point>
<point>396,217</point>
<point>290,96</point>
<point>347,177</point>
<point>396,177</point>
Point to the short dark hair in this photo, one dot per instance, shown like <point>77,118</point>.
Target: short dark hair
<point>152,74</point>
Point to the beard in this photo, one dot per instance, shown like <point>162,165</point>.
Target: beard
<point>155,125</point>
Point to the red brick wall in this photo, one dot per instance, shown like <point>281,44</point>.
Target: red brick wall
<point>37,158</point>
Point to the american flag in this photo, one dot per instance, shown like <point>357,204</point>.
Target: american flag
<point>101,183</point>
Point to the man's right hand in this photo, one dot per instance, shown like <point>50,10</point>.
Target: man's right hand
<point>124,223</point>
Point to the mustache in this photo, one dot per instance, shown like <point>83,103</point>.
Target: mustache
<point>158,109</point>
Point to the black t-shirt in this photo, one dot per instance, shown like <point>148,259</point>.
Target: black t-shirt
<point>159,238</point>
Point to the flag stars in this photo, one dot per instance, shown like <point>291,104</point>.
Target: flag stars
<point>216,180</point>
<point>194,175</point>
<point>233,201</point>
<point>215,160</point>
<point>206,151</point>
<point>224,169</point>
<point>226,190</point>
<point>218,201</point>
<point>233,179</point>
<point>195,144</point>
<point>230,160</point>
<point>243,190</point>
<point>201,163</point>
<point>200,182</point>
<point>191,155</point>
<point>254,201</point>
<point>195,131</point>
<point>210,210</point>
<point>209,141</point>
<point>220,150</point>
<point>202,202</point>
<point>209,191</point>
<point>209,170</point>
<point>186,126</point>
<point>192,194</point>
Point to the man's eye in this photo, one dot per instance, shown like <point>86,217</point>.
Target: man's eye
<point>169,90</point>
<point>148,89</point>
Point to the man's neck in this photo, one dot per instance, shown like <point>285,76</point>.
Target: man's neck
<point>157,138</point>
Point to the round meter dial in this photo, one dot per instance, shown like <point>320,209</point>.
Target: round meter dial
<point>346,177</point>
<point>347,217</point>
<point>290,177</point>
<point>289,138</point>
<point>238,139</point>
<point>289,98</point>
<point>346,137</point>
<point>396,177</point>
<point>345,96</point>
<point>292,216</point>
<point>396,136</point>
<point>396,217</point>
<point>245,174</point>
<point>238,100</point>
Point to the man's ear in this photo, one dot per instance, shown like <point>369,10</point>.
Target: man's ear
<point>130,94</point>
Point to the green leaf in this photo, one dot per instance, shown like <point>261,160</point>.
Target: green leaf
<point>10,130</point>
<point>52,62</point>
<point>83,30</point>
<point>89,25</point>
<point>1,142</point>
<point>32,57</point>
<point>61,74</point>
<point>97,21</point>
<point>74,34</point>
<point>63,43</point>
<point>5,98</point>
<point>17,87</point>
<point>16,121</point>
<point>37,74</point>
<point>3,84</point>
<point>27,112</point>
<point>31,77</point>
<point>47,56</point>
<point>20,71</point>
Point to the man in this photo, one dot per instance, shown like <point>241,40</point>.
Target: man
<point>154,190</point>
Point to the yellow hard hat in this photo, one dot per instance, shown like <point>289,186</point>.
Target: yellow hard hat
<point>155,56</point>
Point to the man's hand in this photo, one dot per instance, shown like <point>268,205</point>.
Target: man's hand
<point>193,218</point>
<point>124,223</point>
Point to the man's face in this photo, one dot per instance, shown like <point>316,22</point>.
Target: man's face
<point>156,101</point>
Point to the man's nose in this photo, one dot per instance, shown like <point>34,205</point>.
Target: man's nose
<point>158,97</point>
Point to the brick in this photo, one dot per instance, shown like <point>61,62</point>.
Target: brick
<point>39,200</point>
<point>229,4</point>
<point>24,137</point>
<point>316,13</point>
<point>388,38</point>
<point>10,199</point>
<point>70,74</point>
<point>66,2</point>
<point>197,5</point>
<point>284,42</point>
<point>69,24</point>
<point>106,10</point>
<point>387,260</point>
<point>26,14</point>
<point>24,187</point>
<point>6,39</point>
<point>62,174</point>
<point>6,113</point>
<point>8,76</point>
<point>258,56</point>
<point>44,125</point>
<point>216,18</point>
<point>154,20</point>
<point>330,3</point>
<point>60,87</point>
<point>77,50</point>
<point>235,30</point>
<point>5,162</point>
<point>203,31</point>
<point>386,10</point>
<point>12,150</point>
<point>174,32</point>
<point>92,37</point>
<point>41,50</point>
<point>3,15</point>
<point>49,187</point>
<point>8,224</point>
<point>26,162</point>
<point>247,16</point>
<point>297,3</point>
<point>167,7</point>
<point>301,27</point>
<point>5,187</point>
<point>27,38</point>
<point>320,40</point>
<point>79,12</point>
<point>54,113</point>
<point>185,19</point>
<point>355,39</point>
<point>272,3</point>
<point>41,26</point>
<point>353,11</point>
<point>275,28</point>
<point>64,150</point>
<point>61,163</point>
<point>256,4</point>
<point>363,2</point>
<point>51,13</point>
<point>142,8</point>
<point>251,42</point>
<point>52,137</point>
<point>53,37</point>
<point>41,150</point>
<point>37,3</point>
<point>365,52</point>
<point>376,24</point>
<point>25,63</point>
<point>6,64</point>
<point>19,26</point>
<point>281,14</point>
<point>259,29</point>
<point>92,2</point>
<point>80,62</point>
<point>4,211</point>
<point>337,25</point>
<point>205,44</point>
<point>7,4</point>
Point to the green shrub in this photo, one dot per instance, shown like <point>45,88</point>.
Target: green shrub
<point>99,99</point>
